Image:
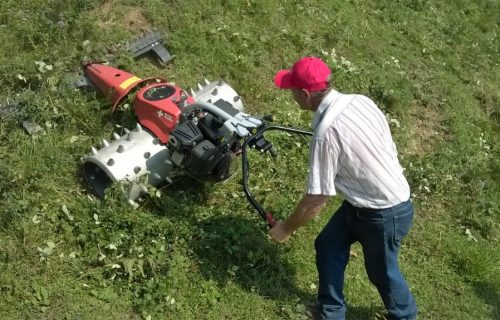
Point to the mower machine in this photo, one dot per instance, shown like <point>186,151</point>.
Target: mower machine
<point>200,134</point>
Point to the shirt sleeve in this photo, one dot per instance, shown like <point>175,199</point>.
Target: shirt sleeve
<point>323,162</point>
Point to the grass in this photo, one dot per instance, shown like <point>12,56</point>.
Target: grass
<point>198,251</point>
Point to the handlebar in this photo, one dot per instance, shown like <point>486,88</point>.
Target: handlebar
<point>257,140</point>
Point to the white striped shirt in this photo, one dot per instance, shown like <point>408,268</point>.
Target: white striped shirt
<point>352,151</point>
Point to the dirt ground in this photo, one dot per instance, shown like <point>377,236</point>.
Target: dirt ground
<point>427,129</point>
<point>113,14</point>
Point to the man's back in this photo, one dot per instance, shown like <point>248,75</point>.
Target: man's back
<point>367,171</point>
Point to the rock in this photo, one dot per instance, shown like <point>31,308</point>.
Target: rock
<point>31,127</point>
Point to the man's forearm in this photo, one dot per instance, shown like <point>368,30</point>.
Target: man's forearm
<point>308,207</point>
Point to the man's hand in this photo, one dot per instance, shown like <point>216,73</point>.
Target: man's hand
<point>309,206</point>
<point>279,233</point>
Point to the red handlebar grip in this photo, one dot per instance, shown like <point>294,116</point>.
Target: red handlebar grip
<point>270,219</point>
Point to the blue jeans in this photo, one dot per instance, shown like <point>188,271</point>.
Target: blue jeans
<point>380,232</point>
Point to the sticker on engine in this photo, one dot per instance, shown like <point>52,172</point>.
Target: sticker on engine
<point>165,115</point>
<point>130,81</point>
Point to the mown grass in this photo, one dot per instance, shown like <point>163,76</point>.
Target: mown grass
<point>199,251</point>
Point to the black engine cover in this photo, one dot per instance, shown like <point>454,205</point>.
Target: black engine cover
<point>203,159</point>
<point>211,127</point>
<point>186,135</point>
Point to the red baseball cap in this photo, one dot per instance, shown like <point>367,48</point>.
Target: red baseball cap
<point>308,73</point>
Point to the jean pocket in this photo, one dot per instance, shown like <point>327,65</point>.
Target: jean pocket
<point>402,225</point>
<point>371,218</point>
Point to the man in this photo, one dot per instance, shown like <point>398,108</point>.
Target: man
<point>352,151</point>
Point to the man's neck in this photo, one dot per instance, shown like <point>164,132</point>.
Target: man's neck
<point>322,106</point>
<point>316,101</point>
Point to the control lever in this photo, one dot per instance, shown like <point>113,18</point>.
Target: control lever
<point>269,118</point>
<point>260,143</point>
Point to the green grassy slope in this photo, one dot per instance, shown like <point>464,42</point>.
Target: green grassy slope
<point>198,251</point>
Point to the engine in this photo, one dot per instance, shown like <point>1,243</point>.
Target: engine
<point>177,133</point>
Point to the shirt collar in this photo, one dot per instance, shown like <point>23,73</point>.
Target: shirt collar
<point>327,101</point>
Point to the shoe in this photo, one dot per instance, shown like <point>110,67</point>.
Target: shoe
<point>312,311</point>
<point>382,315</point>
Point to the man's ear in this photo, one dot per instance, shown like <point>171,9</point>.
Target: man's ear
<point>305,93</point>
